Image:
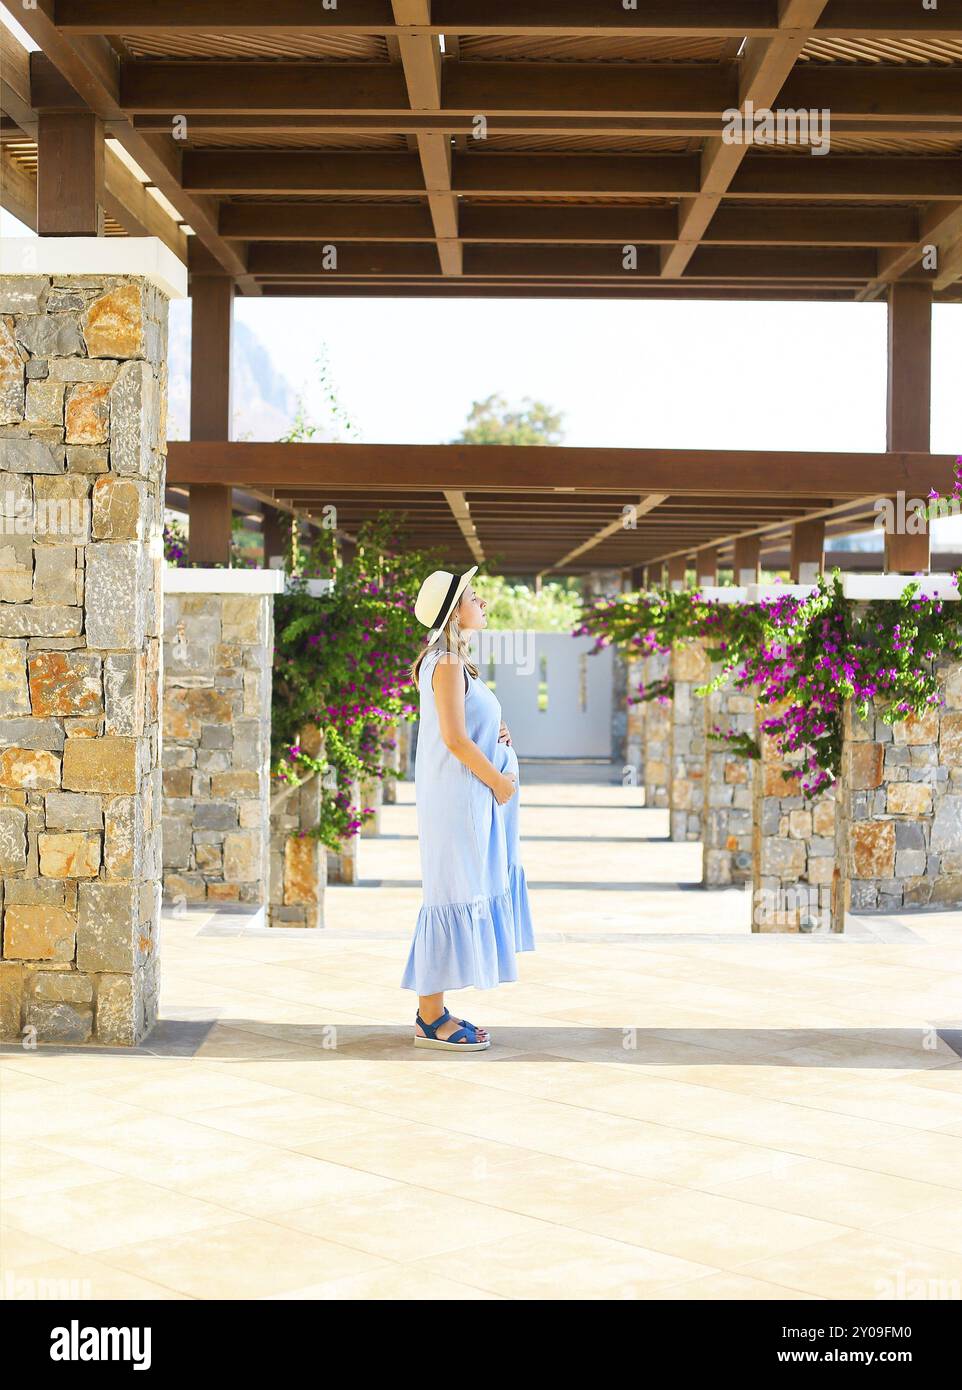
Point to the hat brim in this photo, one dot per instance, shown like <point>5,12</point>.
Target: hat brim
<point>463,583</point>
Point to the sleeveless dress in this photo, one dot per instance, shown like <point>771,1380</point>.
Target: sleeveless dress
<point>475,914</point>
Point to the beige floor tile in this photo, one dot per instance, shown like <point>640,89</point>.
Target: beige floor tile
<point>939,1226</point>
<point>935,1158</point>
<point>720,1231</point>
<point>27,1168</point>
<point>240,1259</point>
<point>567,1264</point>
<point>279,1181</point>
<point>728,1287</point>
<point>847,1194</point>
<point>84,1277</point>
<point>19,1248</point>
<point>97,1215</point>
<point>407,1223</point>
<point>396,1283</point>
<point>865,1265</point>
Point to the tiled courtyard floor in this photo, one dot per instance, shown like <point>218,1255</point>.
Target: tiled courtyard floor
<point>673,1108</point>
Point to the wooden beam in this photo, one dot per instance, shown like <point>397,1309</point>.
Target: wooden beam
<point>821,265</point>
<point>626,520</point>
<point>325,124</point>
<point>461,512</point>
<point>807,552</point>
<point>504,468</point>
<point>732,225</point>
<point>18,191</point>
<point>865,178</point>
<point>763,69</point>
<point>533,18</point>
<point>421,61</point>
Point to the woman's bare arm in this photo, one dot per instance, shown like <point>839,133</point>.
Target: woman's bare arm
<point>448,686</point>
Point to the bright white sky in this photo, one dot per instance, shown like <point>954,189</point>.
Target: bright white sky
<point>642,374</point>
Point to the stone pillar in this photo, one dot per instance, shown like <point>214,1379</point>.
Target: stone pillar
<point>621,678</point>
<point>371,793</point>
<point>657,733</point>
<point>343,866</point>
<point>727,830</point>
<point>406,749</point>
<point>218,653</point>
<point>795,882</point>
<point>82,437</point>
<point>298,859</point>
<point>686,764</point>
<point>633,768</point>
<point>900,804</point>
<point>392,763</point>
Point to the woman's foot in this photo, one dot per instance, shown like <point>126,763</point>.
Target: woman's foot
<point>450,1026</point>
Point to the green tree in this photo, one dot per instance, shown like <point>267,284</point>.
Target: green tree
<point>493,421</point>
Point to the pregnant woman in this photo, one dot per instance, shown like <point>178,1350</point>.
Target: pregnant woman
<point>475,915</point>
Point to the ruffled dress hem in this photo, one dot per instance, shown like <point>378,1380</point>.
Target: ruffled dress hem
<point>473,944</point>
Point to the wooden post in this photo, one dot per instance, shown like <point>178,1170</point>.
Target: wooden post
<point>70,174</point>
<point>211,299</point>
<point>277,535</point>
<point>908,409</point>
<point>677,571</point>
<point>808,548</point>
<point>706,565</point>
<point>745,565</point>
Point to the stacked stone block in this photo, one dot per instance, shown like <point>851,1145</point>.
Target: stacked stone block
<point>727,855</point>
<point>218,650</point>
<point>795,881</point>
<point>343,867</point>
<point>633,766</point>
<point>900,794</point>
<point>82,440</point>
<point>392,763</point>
<point>298,859</point>
<point>657,728</point>
<point>686,768</point>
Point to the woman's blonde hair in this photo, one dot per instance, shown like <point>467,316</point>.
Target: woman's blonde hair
<point>452,641</point>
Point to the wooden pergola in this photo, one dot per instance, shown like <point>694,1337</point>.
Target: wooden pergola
<point>524,149</point>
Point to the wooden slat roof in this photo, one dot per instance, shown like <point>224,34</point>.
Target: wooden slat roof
<point>308,127</point>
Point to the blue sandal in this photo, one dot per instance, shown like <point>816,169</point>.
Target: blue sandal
<point>463,1039</point>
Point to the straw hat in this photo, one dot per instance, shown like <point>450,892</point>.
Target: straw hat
<point>438,595</point>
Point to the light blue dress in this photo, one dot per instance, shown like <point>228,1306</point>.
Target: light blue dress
<point>476,914</point>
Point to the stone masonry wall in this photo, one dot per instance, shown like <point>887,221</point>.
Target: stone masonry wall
<point>633,763</point>
<point>900,793</point>
<point>82,467</point>
<point>218,650</point>
<point>657,733</point>
<point>727,830</point>
<point>794,879</point>
<point>686,785</point>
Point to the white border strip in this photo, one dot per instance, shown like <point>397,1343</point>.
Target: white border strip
<point>722,593</point>
<point>182,580</point>
<point>96,255</point>
<point>893,586</point>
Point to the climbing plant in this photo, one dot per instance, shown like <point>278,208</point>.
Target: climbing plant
<point>341,664</point>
